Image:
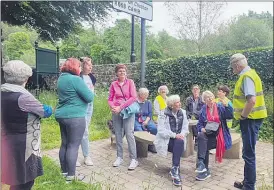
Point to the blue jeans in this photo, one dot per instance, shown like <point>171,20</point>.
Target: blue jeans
<point>250,129</point>
<point>151,127</point>
<point>85,140</point>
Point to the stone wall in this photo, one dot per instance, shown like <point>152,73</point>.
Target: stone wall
<point>105,74</point>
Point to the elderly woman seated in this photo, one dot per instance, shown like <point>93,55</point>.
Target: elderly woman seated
<point>212,132</point>
<point>172,131</point>
<point>160,102</point>
<point>143,119</point>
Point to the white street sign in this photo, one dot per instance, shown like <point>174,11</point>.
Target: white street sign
<point>139,9</point>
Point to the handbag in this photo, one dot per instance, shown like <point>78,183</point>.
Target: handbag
<point>211,128</point>
<point>134,107</point>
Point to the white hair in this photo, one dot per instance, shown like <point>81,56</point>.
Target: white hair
<point>207,94</point>
<point>238,59</point>
<point>16,72</point>
<point>172,99</point>
<point>143,91</point>
<point>163,87</point>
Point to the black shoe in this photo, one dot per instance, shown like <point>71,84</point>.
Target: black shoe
<point>151,148</point>
<point>239,184</point>
<point>200,167</point>
<point>203,176</point>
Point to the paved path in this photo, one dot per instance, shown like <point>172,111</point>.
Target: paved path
<point>152,172</point>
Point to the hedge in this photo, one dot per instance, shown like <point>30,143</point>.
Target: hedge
<point>207,70</point>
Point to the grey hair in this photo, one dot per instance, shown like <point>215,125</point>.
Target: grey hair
<point>206,94</point>
<point>163,87</point>
<point>238,59</point>
<point>143,91</point>
<point>16,72</point>
<point>172,99</point>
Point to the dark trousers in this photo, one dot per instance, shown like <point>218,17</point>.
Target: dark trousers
<point>72,131</point>
<point>250,129</point>
<point>176,147</point>
<point>26,186</point>
<point>203,151</point>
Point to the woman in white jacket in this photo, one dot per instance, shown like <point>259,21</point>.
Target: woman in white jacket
<point>172,131</point>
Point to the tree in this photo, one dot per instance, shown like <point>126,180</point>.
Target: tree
<point>53,19</point>
<point>196,20</point>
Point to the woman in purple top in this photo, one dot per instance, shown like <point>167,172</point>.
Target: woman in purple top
<point>143,119</point>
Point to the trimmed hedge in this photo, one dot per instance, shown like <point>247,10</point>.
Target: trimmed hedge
<point>207,71</point>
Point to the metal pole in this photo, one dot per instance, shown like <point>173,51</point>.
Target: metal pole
<point>36,69</point>
<point>143,51</point>
<point>132,56</point>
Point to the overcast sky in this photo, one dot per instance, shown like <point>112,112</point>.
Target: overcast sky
<point>162,19</point>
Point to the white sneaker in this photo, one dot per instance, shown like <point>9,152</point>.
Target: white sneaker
<point>78,164</point>
<point>133,164</point>
<point>118,162</point>
<point>77,177</point>
<point>88,161</point>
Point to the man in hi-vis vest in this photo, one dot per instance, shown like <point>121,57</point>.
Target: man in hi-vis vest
<point>250,110</point>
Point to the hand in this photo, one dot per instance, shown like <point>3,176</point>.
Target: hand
<point>203,130</point>
<point>224,102</point>
<point>179,136</point>
<point>145,123</point>
<point>242,117</point>
<point>116,109</point>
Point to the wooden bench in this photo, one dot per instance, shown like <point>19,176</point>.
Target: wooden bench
<point>234,151</point>
<point>143,139</point>
<point>189,140</point>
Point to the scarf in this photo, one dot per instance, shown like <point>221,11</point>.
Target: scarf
<point>162,102</point>
<point>7,87</point>
<point>220,148</point>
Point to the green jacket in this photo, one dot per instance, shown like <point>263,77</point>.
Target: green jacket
<point>73,95</point>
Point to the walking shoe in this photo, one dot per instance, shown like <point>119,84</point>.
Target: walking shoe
<point>78,177</point>
<point>239,184</point>
<point>177,182</point>
<point>78,164</point>
<point>118,162</point>
<point>174,172</point>
<point>64,174</point>
<point>200,167</point>
<point>88,161</point>
<point>151,148</point>
<point>133,164</point>
<point>203,176</point>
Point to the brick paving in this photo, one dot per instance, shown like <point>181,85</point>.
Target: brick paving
<point>152,172</point>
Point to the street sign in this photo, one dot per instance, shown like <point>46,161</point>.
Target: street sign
<point>140,9</point>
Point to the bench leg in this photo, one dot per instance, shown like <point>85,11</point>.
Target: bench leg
<point>189,146</point>
<point>142,149</point>
<point>234,152</point>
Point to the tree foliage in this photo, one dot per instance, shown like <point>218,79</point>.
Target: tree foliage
<point>53,19</point>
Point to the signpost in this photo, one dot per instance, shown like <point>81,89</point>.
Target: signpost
<point>144,10</point>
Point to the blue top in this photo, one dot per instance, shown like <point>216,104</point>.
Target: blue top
<point>145,109</point>
<point>248,86</point>
<point>73,95</point>
<point>224,114</point>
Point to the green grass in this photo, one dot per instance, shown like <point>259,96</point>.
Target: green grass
<point>53,180</point>
<point>51,137</point>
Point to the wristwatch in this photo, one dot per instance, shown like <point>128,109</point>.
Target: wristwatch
<point>243,118</point>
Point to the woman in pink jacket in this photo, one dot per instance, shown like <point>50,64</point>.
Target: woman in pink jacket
<point>122,93</point>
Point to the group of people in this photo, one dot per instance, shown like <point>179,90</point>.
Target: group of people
<point>131,111</point>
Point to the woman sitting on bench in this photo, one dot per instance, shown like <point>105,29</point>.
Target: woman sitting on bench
<point>172,130</point>
<point>212,132</point>
<point>143,119</point>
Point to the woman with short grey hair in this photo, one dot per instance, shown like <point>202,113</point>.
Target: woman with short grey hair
<point>172,132</point>
<point>20,128</point>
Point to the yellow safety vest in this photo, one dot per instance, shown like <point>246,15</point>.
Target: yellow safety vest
<point>239,99</point>
<point>228,121</point>
<point>162,104</point>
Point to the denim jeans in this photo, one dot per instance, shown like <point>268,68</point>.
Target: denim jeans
<point>250,129</point>
<point>151,127</point>
<point>121,127</point>
<point>85,140</point>
<point>176,146</point>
